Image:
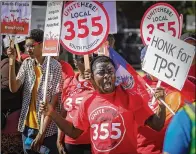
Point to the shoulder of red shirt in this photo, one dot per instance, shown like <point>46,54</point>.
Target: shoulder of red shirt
<point>24,56</point>
<point>71,83</point>
<point>67,68</point>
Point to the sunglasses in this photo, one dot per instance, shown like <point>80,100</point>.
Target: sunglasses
<point>32,46</point>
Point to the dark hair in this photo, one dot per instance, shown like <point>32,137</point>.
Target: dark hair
<point>111,39</point>
<point>110,36</point>
<point>37,35</point>
<point>186,36</point>
<point>100,59</point>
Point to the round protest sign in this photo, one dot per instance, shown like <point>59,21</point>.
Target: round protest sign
<point>160,16</point>
<point>85,27</point>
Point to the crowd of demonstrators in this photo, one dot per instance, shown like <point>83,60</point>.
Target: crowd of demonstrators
<point>75,91</point>
<point>11,139</point>
<point>109,109</point>
<point>95,116</point>
<point>32,77</point>
<point>148,140</point>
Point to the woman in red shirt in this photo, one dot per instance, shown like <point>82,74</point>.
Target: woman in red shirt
<point>75,91</point>
<point>110,113</point>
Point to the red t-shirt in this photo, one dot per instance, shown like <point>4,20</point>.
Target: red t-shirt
<point>75,93</point>
<point>67,70</point>
<point>192,71</point>
<point>24,56</point>
<point>111,119</point>
<point>150,141</point>
<point>192,74</point>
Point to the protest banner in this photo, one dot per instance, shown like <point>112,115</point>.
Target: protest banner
<point>52,29</point>
<point>160,16</point>
<point>168,59</point>
<point>38,17</point>
<point>15,17</point>
<point>85,27</point>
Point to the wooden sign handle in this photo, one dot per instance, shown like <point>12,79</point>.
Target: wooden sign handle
<point>11,59</point>
<point>18,52</point>
<point>86,62</point>
<point>45,92</point>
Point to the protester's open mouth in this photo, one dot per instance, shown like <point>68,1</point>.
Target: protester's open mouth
<point>107,85</point>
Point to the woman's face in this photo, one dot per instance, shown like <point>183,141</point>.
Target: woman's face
<point>104,77</point>
<point>33,48</point>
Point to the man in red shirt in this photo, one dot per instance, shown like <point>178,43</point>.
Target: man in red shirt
<point>76,90</point>
<point>67,69</point>
<point>110,113</point>
<point>148,140</point>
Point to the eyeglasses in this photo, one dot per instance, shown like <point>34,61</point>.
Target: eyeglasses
<point>32,46</point>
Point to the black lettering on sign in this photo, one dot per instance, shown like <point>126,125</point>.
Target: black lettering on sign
<point>183,56</point>
<point>171,69</point>
<point>163,46</point>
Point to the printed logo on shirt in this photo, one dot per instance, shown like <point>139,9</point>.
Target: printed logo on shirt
<point>107,128</point>
<point>75,97</point>
<point>124,78</point>
<point>72,104</point>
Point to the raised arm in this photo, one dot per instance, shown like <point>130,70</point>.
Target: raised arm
<point>14,84</point>
<point>157,120</point>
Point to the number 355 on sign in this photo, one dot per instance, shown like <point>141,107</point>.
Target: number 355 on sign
<point>160,16</point>
<point>85,27</point>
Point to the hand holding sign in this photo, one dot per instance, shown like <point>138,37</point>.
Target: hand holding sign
<point>168,59</point>
<point>76,36</point>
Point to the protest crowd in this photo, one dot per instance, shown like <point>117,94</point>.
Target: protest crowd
<point>101,105</point>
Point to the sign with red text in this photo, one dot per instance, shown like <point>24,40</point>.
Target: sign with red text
<point>160,16</point>
<point>52,28</point>
<point>15,17</point>
<point>85,27</point>
<point>168,59</point>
